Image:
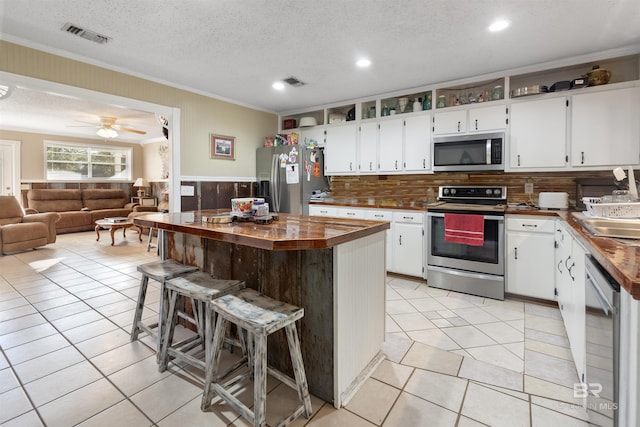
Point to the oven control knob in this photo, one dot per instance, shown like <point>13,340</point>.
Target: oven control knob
<point>445,191</point>
<point>453,191</point>
<point>488,192</point>
<point>497,191</point>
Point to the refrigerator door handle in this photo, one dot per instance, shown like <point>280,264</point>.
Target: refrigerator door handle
<point>274,184</point>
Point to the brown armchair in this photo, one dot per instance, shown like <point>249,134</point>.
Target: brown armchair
<point>20,231</point>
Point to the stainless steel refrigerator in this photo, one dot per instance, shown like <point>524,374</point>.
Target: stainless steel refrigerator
<point>289,175</point>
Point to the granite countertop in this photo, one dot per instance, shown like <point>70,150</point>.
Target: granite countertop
<point>289,232</point>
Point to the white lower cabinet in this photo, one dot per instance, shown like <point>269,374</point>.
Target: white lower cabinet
<point>570,287</point>
<point>406,238</point>
<point>384,215</point>
<point>530,255</point>
<point>408,243</point>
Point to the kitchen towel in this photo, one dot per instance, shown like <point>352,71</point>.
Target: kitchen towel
<point>465,229</point>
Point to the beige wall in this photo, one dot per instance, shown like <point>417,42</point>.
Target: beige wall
<point>200,115</point>
<point>151,161</point>
<point>32,152</point>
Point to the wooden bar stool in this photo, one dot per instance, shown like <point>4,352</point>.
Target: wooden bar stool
<point>259,316</point>
<point>159,271</point>
<point>201,288</point>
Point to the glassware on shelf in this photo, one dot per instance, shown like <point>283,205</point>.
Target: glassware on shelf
<point>372,112</point>
<point>498,93</point>
<point>442,102</point>
<point>426,103</point>
<point>385,110</point>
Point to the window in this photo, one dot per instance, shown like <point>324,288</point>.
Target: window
<point>75,162</point>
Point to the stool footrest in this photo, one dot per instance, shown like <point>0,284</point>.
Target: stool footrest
<point>179,355</point>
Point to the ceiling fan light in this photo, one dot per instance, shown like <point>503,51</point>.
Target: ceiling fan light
<point>107,133</point>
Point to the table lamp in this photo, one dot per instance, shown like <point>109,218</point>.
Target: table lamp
<point>141,183</point>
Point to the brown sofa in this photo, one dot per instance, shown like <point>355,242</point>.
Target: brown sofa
<point>19,232</point>
<point>80,209</point>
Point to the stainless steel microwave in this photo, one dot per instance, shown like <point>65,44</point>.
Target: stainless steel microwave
<point>458,153</point>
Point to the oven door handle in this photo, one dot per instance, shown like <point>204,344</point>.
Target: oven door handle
<point>486,217</point>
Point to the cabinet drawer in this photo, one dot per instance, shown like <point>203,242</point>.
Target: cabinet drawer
<point>350,213</point>
<point>322,211</point>
<point>410,217</point>
<point>379,215</point>
<point>530,225</point>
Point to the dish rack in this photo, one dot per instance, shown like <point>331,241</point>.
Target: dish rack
<point>596,207</point>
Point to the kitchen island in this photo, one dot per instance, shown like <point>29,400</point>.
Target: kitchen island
<point>333,268</point>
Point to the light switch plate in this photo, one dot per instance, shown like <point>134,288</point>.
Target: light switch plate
<point>187,190</point>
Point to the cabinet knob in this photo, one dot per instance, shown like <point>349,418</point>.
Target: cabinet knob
<point>518,159</point>
<point>515,252</point>
<point>476,124</point>
<point>458,126</point>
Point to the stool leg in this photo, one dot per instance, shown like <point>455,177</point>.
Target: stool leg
<point>149,238</point>
<point>260,381</point>
<point>298,368</point>
<point>213,348</point>
<point>167,331</point>
<point>135,330</point>
<point>162,318</point>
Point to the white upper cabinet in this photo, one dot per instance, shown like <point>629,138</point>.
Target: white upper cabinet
<point>471,119</point>
<point>605,128</point>
<point>340,150</point>
<point>390,145</point>
<point>487,118</point>
<point>447,122</point>
<point>417,143</point>
<point>368,149</point>
<point>538,134</point>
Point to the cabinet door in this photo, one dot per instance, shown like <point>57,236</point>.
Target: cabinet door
<point>562,279</point>
<point>487,118</point>
<point>368,152</point>
<point>390,145</point>
<point>407,248</point>
<point>314,135</point>
<point>450,122</point>
<point>539,134</point>
<point>417,140</point>
<point>383,215</point>
<point>605,129</point>
<point>530,260</point>
<point>340,151</point>
<point>578,334</point>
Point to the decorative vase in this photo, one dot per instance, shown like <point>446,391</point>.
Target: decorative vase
<point>402,103</point>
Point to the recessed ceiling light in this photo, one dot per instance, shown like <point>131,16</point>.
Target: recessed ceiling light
<point>498,25</point>
<point>278,85</point>
<point>363,63</point>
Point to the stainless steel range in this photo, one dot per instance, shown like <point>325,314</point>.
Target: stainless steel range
<point>466,240</point>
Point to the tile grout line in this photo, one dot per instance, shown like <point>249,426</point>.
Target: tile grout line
<point>86,359</point>
<point>21,385</point>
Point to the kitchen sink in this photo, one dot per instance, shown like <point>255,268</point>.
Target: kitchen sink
<point>609,227</point>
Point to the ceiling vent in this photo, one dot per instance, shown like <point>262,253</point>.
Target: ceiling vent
<point>85,34</point>
<point>293,81</point>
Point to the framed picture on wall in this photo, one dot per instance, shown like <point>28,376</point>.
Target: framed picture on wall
<point>222,147</point>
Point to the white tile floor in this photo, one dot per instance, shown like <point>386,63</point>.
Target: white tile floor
<point>452,359</point>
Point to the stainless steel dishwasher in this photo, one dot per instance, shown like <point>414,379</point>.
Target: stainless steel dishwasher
<point>603,344</point>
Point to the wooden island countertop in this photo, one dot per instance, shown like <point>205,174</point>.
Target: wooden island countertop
<point>289,232</point>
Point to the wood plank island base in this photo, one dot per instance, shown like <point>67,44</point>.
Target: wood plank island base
<point>332,267</point>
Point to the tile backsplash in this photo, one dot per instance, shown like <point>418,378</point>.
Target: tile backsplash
<point>413,189</point>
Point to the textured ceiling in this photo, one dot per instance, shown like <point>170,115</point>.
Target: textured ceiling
<point>235,50</point>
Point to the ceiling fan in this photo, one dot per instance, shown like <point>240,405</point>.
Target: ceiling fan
<point>108,128</point>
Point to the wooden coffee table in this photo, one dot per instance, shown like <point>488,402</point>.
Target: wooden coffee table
<point>112,226</point>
